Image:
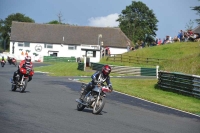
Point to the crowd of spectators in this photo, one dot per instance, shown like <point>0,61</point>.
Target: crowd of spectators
<point>183,36</point>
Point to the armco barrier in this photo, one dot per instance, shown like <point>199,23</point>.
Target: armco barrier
<point>58,59</point>
<point>180,83</point>
<point>136,71</point>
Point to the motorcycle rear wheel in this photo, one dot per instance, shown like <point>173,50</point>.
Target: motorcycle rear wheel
<point>98,107</point>
<point>2,64</point>
<point>23,87</point>
<point>80,107</point>
<point>13,87</point>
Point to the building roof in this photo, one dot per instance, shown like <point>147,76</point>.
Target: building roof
<point>65,34</point>
<point>197,29</point>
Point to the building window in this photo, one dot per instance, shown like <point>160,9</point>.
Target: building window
<point>48,46</point>
<point>26,44</point>
<point>91,53</point>
<point>71,47</point>
<point>54,54</point>
<point>20,44</point>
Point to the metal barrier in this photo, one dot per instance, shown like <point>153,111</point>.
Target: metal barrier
<point>180,83</point>
<point>58,59</point>
<point>136,71</point>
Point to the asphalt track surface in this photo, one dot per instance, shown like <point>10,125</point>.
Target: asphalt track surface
<point>48,106</point>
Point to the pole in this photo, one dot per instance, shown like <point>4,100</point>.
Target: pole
<point>157,67</point>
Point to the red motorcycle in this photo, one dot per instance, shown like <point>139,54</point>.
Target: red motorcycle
<point>14,62</point>
<point>3,62</point>
<point>21,79</point>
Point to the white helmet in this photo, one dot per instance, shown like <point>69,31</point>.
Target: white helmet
<point>28,59</point>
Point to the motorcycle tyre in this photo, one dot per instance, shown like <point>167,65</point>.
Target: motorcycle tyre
<point>97,110</point>
<point>25,84</point>
<point>80,107</point>
<point>13,87</point>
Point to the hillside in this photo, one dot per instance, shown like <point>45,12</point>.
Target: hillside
<point>181,57</point>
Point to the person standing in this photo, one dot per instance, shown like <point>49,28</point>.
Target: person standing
<point>128,46</point>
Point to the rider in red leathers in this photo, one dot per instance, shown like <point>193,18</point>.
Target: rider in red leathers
<point>26,63</point>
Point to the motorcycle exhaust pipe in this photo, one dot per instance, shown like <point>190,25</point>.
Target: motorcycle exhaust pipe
<point>79,101</point>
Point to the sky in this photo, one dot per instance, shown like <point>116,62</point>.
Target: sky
<point>173,15</point>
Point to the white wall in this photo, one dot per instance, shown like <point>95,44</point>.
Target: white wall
<point>62,51</point>
<point>117,50</point>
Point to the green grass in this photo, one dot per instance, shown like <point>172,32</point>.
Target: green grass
<point>63,69</point>
<point>182,57</point>
<point>185,58</point>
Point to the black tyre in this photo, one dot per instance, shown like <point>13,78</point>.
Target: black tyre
<point>98,107</point>
<point>13,87</point>
<point>15,64</point>
<point>24,84</point>
<point>80,107</point>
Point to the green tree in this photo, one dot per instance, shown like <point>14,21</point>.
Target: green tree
<point>197,8</point>
<point>54,22</point>
<point>5,25</point>
<point>138,22</point>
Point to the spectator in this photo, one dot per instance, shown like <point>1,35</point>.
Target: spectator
<point>180,35</point>
<point>166,40</point>
<point>128,46</point>
<point>159,42</point>
<point>156,41</point>
<point>193,37</point>
<point>176,39</point>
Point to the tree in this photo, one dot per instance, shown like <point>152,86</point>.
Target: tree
<point>54,22</point>
<point>197,8</point>
<point>189,25</point>
<point>5,25</point>
<point>138,22</point>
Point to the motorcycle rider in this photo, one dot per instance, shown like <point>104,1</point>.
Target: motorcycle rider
<point>9,59</point>
<point>2,59</point>
<point>26,63</point>
<point>98,77</point>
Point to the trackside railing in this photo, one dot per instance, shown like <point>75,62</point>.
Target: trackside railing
<point>179,83</point>
<point>125,70</point>
<point>58,59</point>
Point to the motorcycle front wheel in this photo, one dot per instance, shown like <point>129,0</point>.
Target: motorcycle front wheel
<point>24,84</point>
<point>80,107</point>
<point>15,64</point>
<point>99,104</point>
<point>13,87</point>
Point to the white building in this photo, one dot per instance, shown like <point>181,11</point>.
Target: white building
<point>39,40</point>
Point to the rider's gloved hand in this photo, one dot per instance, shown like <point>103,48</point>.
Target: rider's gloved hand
<point>24,66</point>
<point>111,88</point>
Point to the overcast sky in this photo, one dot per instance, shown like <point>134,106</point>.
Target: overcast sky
<point>173,15</point>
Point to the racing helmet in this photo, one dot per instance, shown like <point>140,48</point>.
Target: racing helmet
<point>27,59</point>
<point>106,70</point>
